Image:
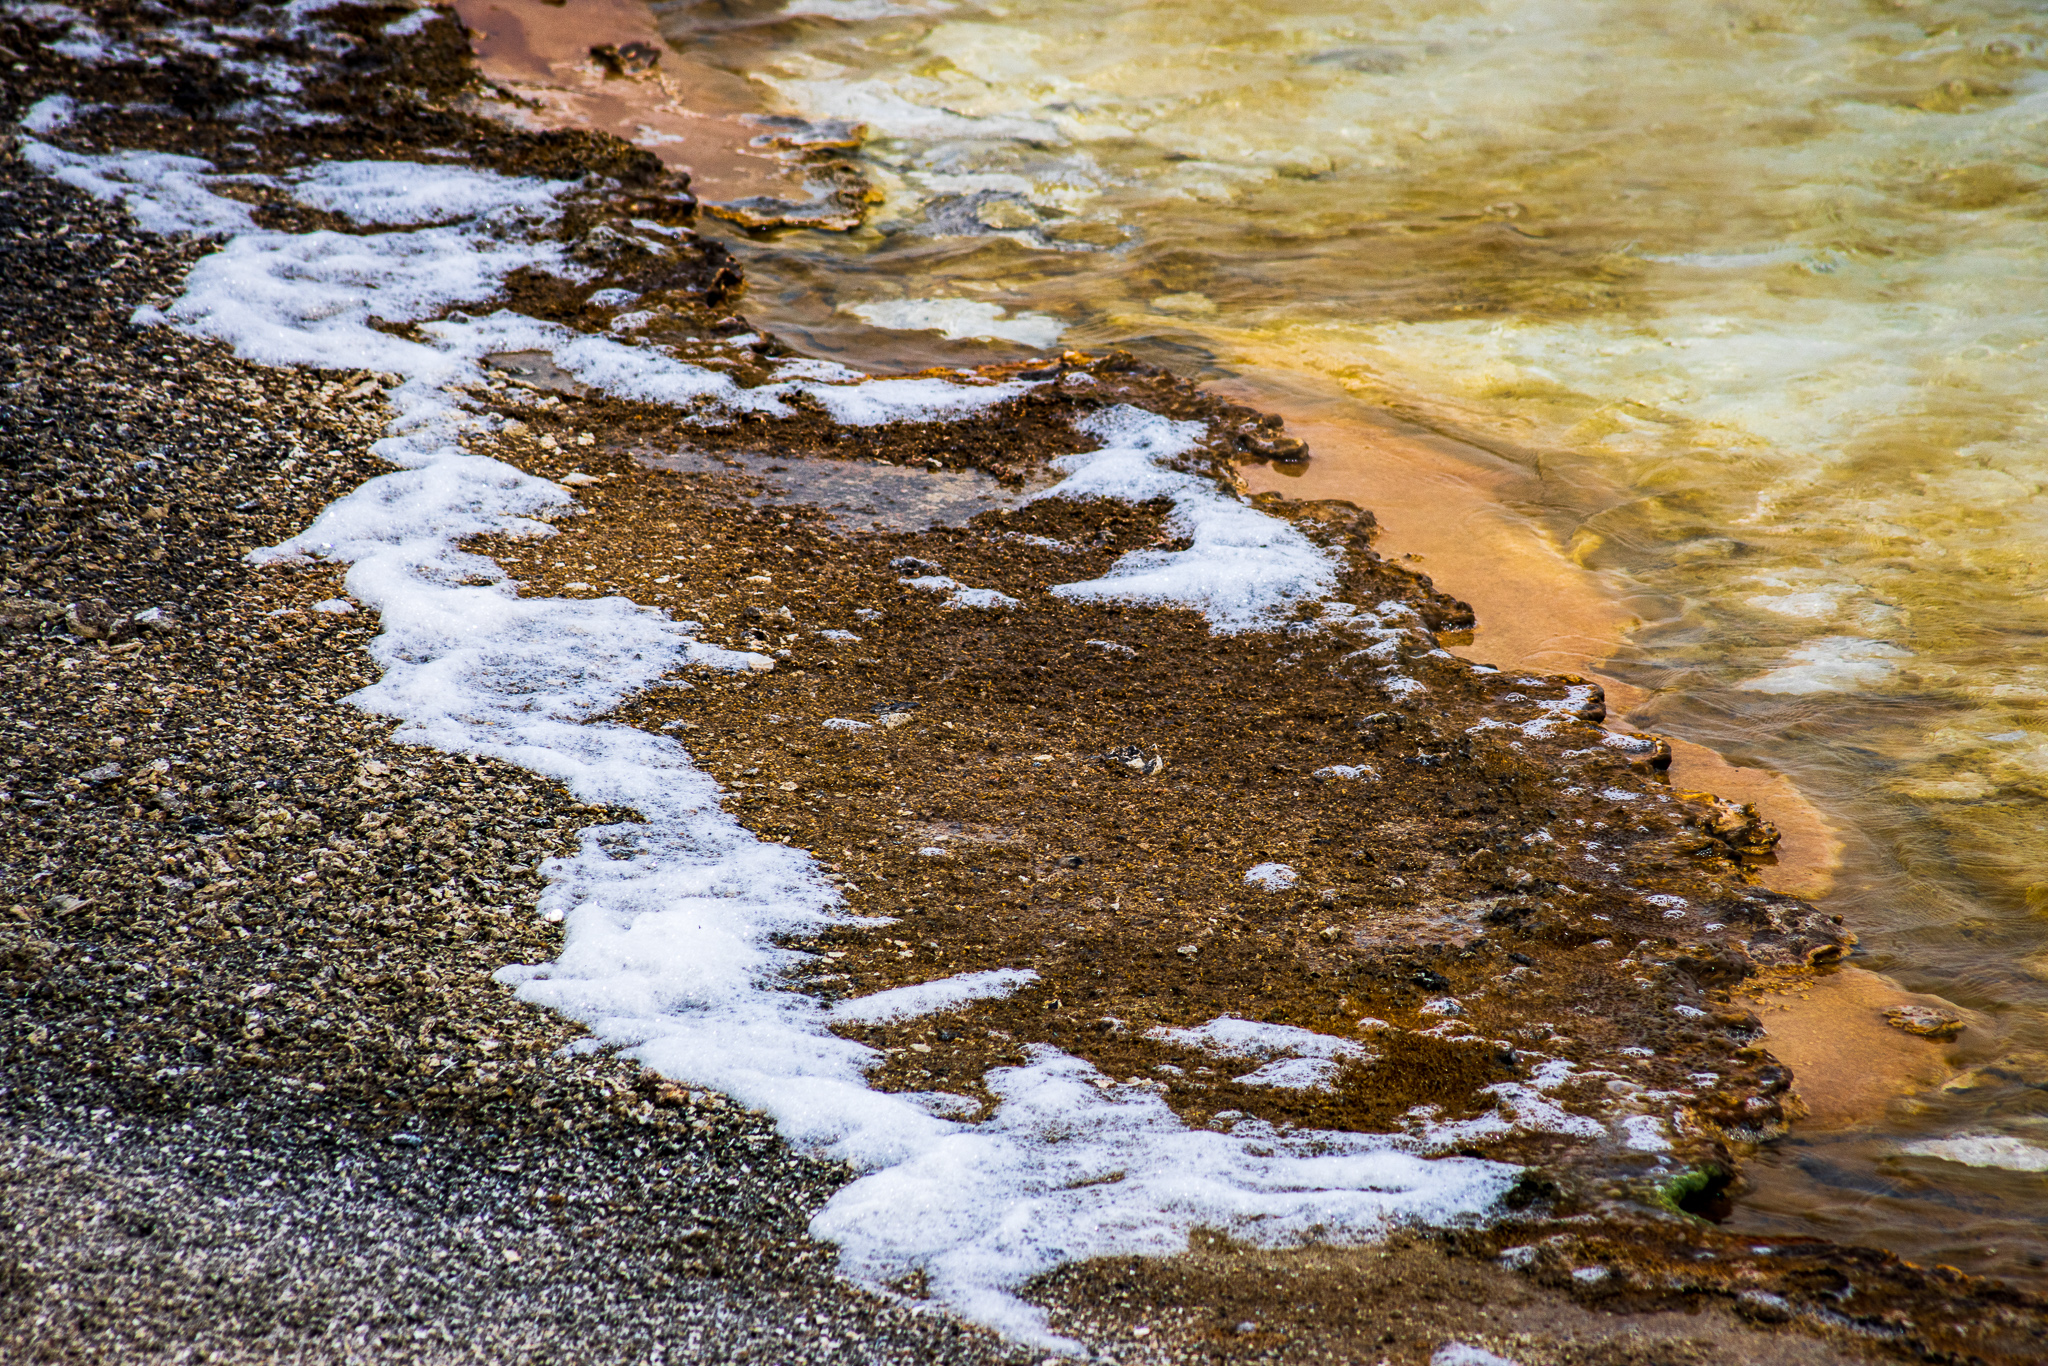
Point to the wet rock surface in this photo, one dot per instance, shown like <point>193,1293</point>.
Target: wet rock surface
<point>265,1100</point>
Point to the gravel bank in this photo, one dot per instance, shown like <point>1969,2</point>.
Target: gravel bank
<point>265,1100</point>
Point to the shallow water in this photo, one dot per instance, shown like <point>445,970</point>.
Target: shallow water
<point>1717,327</point>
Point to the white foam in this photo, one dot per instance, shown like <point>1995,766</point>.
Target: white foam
<point>49,113</point>
<point>1243,569</point>
<point>408,24</point>
<point>959,595</point>
<point>163,193</point>
<point>929,998</point>
<point>1984,1150</point>
<point>1227,1036</point>
<point>408,192</point>
<point>673,925</point>
<point>1645,1134</point>
<point>1274,877</point>
<point>306,299</point>
<point>80,41</point>
<point>1067,1168</point>
<point>1294,1074</point>
<point>1551,714</point>
<point>653,376</point>
<point>981,599</point>
<point>1519,1107</point>
<point>1465,1354</point>
<point>1297,1059</point>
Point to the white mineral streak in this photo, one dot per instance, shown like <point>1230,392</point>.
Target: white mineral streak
<point>957,319</point>
<point>1832,664</point>
<point>670,925</point>
<point>1984,1150</point>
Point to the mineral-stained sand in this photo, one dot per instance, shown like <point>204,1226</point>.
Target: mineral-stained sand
<point>688,114</point>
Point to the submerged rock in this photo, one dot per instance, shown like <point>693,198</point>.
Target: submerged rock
<point>1925,1021</point>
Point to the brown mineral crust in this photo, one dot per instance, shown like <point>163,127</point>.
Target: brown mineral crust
<point>1693,1295</point>
<point>1858,1298</point>
<point>1461,870</point>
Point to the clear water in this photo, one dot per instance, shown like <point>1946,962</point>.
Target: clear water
<point>1754,294</point>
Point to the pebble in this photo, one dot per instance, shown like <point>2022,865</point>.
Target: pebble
<point>1136,760</point>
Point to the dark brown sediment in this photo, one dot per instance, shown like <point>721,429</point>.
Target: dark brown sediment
<point>375,947</point>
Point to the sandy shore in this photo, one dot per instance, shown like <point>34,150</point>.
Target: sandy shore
<point>267,1101</point>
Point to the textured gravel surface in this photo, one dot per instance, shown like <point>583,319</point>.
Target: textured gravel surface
<point>262,1098</point>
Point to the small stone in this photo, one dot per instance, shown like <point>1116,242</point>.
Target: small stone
<point>910,564</point>
<point>105,773</point>
<point>95,619</point>
<point>626,59</point>
<point>1925,1021</point>
<point>1135,759</point>
<point>575,479</point>
<point>893,714</point>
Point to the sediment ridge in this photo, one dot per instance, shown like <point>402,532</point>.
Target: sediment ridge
<point>1262,866</point>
